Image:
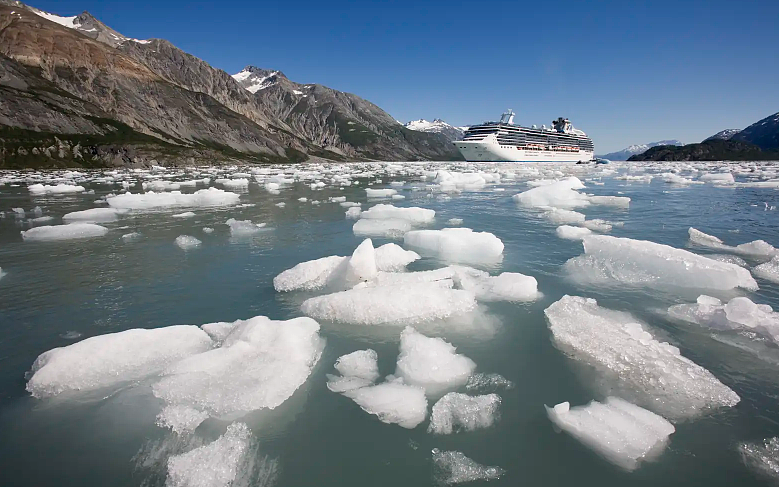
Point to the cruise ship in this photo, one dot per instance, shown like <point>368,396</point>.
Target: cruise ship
<point>505,142</point>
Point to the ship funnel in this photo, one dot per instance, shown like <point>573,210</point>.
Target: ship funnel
<point>507,117</point>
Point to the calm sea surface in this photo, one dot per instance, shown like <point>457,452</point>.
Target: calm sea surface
<point>56,293</point>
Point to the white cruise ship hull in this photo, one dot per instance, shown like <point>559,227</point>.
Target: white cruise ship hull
<point>489,151</point>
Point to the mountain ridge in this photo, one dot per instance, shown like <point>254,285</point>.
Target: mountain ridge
<point>172,102</point>
<point>626,153</point>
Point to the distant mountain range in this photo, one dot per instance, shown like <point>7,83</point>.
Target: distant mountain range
<point>437,126</point>
<point>758,142</point>
<point>626,153</point>
<point>73,91</point>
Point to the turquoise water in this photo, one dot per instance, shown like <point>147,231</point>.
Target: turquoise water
<point>56,293</point>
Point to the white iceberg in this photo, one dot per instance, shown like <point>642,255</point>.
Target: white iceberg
<point>114,358</point>
<point>93,215</point>
<point>242,228</point>
<point>187,242</point>
<point>39,189</point>
<point>201,198</point>
<point>393,402</point>
<point>623,433</point>
<point>457,245</point>
<point>739,313</point>
<point>358,369</point>
<point>431,363</point>
<point>640,262</point>
<point>568,232</point>
<point>64,232</point>
<point>653,373</point>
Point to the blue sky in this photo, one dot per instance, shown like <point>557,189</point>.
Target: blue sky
<point>624,71</point>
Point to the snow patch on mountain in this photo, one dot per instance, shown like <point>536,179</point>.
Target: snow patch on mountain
<point>723,134</point>
<point>437,126</point>
<point>254,79</point>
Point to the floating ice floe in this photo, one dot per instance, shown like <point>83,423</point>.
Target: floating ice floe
<point>390,228</point>
<point>160,185</point>
<point>738,313</point>
<point>718,178</point>
<point>186,214</point>
<point>393,402</point>
<point>757,248</point>
<point>572,233</point>
<point>39,189</point>
<point>358,369</point>
<point>431,363</point>
<point>131,237</point>
<point>558,215</point>
<point>457,245</point>
<point>768,270</point>
<point>242,228</point>
<point>200,198</point>
<point>640,262</point>
<point>564,195</point>
<point>389,221</point>
<point>112,359</point>
<point>238,184</point>
<point>187,242</point>
<point>390,305</point>
<point>762,457</point>
<point>230,460</point>
<point>331,272</point>
<point>180,419</point>
<point>483,383</point>
<point>453,467</point>
<point>457,412</point>
<point>259,365</point>
<point>454,222</point>
<point>652,373</point>
<point>379,193</point>
<point>64,232</point>
<point>93,215</point>
<point>623,433</point>
<point>507,286</point>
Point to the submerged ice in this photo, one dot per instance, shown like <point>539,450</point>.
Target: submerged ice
<point>653,373</point>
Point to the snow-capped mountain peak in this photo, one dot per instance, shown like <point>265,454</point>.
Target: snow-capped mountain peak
<point>634,149</point>
<point>436,126</point>
<point>254,79</point>
<point>723,134</point>
<point>86,24</point>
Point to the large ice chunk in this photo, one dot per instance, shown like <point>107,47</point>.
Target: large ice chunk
<point>557,215</point>
<point>379,193</point>
<point>640,262</point>
<point>187,242</point>
<point>453,467</point>
<point>64,232</point>
<point>431,363</point>
<point>508,286</point>
<point>309,275</point>
<point>623,433</point>
<point>413,215</point>
<point>756,248</point>
<point>411,304</point>
<point>649,372</point>
<point>393,402</point>
<point>457,412</point>
<point>393,258</point>
<point>572,233</point>
<point>202,197</point>
<point>259,365</point>
<point>559,194</point>
<point>38,189</point>
<point>390,228</point>
<point>457,245</point>
<point>106,360</point>
<point>93,215</point>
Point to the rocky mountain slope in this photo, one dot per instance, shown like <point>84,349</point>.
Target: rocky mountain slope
<point>626,153</point>
<point>75,78</point>
<point>723,134</point>
<point>437,126</point>
<point>763,133</point>
<point>710,150</point>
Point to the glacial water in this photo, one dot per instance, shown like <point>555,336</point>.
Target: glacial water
<point>56,293</point>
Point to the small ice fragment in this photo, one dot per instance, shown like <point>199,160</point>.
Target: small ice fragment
<point>457,412</point>
<point>389,228</point>
<point>598,225</point>
<point>431,363</point>
<point>762,457</point>
<point>483,383</point>
<point>38,189</point>
<point>357,369</point>
<point>572,233</point>
<point>623,433</point>
<point>393,402</point>
<point>180,419</point>
<point>187,242</point>
<point>413,215</point>
<point>208,230</point>
<point>201,198</point>
<point>453,467</point>
<point>241,228</point>
<point>353,212</point>
<point>187,214</point>
<point>131,237</point>
<point>379,193</point>
<point>455,221</point>
<point>281,204</point>
<point>64,232</point>
<point>558,215</point>
<point>769,270</point>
